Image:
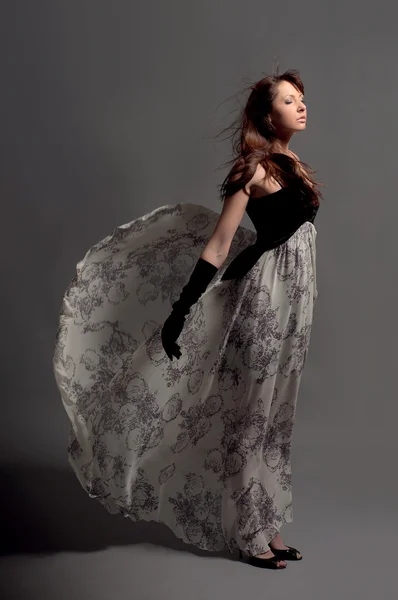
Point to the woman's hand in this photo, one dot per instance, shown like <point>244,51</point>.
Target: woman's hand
<point>171,331</point>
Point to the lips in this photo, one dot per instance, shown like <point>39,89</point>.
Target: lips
<point>302,119</point>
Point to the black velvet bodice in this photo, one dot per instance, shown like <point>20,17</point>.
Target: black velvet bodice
<point>276,217</point>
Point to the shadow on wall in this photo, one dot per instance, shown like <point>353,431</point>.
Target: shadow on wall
<point>45,510</point>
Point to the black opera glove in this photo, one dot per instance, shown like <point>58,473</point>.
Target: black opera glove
<point>171,331</point>
<point>200,278</point>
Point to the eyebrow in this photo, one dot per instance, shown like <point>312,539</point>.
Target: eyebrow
<point>292,95</point>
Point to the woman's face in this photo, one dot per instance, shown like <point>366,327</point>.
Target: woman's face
<point>287,108</point>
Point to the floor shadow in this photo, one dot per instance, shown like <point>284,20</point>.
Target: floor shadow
<point>45,510</point>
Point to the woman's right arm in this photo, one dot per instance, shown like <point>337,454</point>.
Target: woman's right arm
<point>217,248</point>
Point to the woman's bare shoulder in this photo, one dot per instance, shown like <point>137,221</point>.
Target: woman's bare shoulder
<point>261,184</point>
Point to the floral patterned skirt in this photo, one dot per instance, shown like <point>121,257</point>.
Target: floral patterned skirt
<point>201,443</point>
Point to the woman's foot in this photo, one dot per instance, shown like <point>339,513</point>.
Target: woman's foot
<point>283,551</point>
<point>277,543</point>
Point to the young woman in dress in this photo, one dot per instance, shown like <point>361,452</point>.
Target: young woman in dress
<point>197,435</point>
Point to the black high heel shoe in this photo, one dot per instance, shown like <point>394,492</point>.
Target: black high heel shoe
<point>264,563</point>
<point>290,554</point>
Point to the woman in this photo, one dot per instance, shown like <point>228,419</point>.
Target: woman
<point>198,435</point>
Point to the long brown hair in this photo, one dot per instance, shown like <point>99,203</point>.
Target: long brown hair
<point>253,137</point>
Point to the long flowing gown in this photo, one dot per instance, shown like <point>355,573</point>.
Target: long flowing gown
<point>201,443</point>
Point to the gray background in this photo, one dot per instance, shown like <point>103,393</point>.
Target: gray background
<point>108,110</point>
